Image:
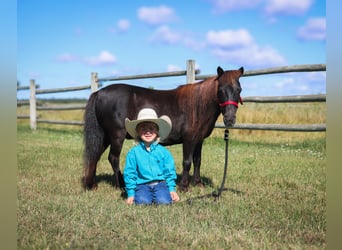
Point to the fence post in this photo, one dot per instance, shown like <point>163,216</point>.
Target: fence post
<point>94,82</point>
<point>190,71</point>
<point>33,110</point>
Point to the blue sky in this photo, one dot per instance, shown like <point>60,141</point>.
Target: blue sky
<point>59,43</point>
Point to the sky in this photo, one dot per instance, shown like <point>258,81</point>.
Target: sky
<point>59,43</point>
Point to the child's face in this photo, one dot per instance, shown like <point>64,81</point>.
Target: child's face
<point>147,131</point>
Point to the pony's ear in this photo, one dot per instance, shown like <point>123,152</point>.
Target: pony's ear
<point>241,70</point>
<point>220,72</point>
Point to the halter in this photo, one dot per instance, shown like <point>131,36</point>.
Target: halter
<point>231,103</point>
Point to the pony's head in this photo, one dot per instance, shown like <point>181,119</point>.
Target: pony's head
<point>228,93</point>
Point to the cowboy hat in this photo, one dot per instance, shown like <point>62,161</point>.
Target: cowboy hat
<point>149,115</point>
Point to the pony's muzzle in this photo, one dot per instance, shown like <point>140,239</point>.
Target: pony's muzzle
<point>229,116</point>
<point>229,122</point>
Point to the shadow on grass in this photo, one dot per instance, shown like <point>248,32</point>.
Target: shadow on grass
<point>106,178</point>
<point>205,181</point>
<point>110,180</point>
<point>215,195</point>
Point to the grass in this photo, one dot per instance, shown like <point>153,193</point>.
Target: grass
<point>281,204</point>
<point>275,195</point>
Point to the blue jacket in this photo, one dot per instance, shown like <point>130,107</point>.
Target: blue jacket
<point>144,166</point>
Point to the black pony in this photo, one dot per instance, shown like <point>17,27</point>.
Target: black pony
<point>193,109</point>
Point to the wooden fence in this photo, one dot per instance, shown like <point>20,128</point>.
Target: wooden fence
<point>191,76</point>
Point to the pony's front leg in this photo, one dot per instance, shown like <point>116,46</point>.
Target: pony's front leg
<point>184,183</point>
<point>197,164</point>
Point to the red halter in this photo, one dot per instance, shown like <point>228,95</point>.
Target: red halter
<point>231,102</point>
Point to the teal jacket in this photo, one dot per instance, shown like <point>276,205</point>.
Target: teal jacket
<point>144,166</point>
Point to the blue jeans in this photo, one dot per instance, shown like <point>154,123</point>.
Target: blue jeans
<point>155,192</point>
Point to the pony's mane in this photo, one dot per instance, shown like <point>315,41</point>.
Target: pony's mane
<point>197,94</point>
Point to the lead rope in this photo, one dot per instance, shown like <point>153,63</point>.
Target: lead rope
<point>218,193</point>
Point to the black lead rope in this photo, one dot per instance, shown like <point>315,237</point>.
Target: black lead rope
<point>218,193</point>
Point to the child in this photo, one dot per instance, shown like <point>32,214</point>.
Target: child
<point>149,174</point>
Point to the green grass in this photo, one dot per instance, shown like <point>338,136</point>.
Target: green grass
<point>276,198</point>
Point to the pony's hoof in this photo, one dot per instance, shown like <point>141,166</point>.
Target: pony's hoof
<point>90,186</point>
<point>183,188</point>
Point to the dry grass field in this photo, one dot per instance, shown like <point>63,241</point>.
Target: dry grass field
<point>281,113</point>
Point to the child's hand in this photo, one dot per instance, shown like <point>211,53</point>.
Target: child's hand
<point>174,196</point>
<point>130,200</point>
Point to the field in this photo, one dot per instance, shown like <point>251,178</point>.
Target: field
<point>275,195</point>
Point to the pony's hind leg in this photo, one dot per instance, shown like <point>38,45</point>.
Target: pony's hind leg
<point>92,154</point>
<point>114,159</point>
<point>88,180</point>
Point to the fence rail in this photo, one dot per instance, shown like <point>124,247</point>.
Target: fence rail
<point>61,122</point>
<point>67,107</point>
<point>59,90</point>
<point>277,70</point>
<point>280,99</point>
<point>142,76</point>
<point>191,76</point>
<point>278,127</point>
<point>25,87</point>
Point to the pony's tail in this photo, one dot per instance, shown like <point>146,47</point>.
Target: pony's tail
<point>93,133</point>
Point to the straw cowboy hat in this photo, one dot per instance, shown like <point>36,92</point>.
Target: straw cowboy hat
<point>149,115</point>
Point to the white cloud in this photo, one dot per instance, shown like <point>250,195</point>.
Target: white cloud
<point>296,83</point>
<point>239,47</point>
<point>270,8</point>
<point>221,6</point>
<point>284,83</point>
<point>301,83</point>
<point>252,56</point>
<point>191,42</point>
<point>229,38</point>
<point>314,29</point>
<point>287,7</point>
<point>104,58</point>
<point>319,76</point>
<point>156,15</point>
<point>234,46</point>
<point>291,85</point>
<point>165,35</point>
<point>123,24</point>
